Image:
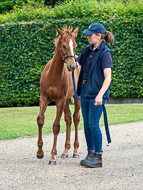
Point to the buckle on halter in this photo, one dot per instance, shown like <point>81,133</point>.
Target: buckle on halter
<point>84,81</point>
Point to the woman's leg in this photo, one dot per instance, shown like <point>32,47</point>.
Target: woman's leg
<point>85,114</point>
<point>95,113</point>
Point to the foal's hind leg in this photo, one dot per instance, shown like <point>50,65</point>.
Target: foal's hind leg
<point>40,121</point>
<point>76,119</point>
<point>68,130</point>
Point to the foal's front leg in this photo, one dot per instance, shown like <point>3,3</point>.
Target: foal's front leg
<point>56,129</point>
<point>40,121</point>
<point>68,121</point>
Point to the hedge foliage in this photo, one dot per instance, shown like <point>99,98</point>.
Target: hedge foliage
<point>102,10</point>
<point>7,5</point>
<point>52,2</point>
<point>25,48</point>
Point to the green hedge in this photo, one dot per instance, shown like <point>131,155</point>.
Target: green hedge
<point>7,5</point>
<point>52,2</point>
<point>101,10</point>
<point>26,48</point>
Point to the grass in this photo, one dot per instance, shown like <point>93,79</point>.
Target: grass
<point>21,121</point>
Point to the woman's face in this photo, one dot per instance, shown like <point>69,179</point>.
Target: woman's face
<point>94,38</point>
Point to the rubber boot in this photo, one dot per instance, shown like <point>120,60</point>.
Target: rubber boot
<point>95,162</point>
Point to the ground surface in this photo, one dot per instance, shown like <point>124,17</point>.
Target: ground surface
<point>122,163</point>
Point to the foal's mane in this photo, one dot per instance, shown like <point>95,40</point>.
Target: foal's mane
<point>66,32</point>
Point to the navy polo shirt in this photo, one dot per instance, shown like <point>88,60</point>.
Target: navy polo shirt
<point>106,60</point>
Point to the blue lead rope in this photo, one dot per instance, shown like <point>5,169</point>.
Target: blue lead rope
<point>104,110</point>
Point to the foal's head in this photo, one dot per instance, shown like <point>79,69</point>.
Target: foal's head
<point>68,45</point>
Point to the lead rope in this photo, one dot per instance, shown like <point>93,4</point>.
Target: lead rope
<point>104,110</point>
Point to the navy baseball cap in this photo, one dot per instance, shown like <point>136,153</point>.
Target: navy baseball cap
<point>95,28</point>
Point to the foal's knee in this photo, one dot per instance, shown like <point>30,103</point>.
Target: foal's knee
<point>40,121</point>
<point>68,119</point>
<point>76,118</point>
<point>56,129</point>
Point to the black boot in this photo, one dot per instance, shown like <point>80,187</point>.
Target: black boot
<point>88,157</point>
<point>95,162</point>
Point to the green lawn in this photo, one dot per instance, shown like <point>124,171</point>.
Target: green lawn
<point>21,121</point>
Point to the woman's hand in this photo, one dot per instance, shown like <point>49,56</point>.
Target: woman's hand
<point>98,100</point>
<point>77,65</point>
<point>106,83</point>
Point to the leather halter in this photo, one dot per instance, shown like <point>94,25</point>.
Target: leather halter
<point>65,56</point>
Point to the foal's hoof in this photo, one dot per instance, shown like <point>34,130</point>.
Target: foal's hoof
<point>40,156</point>
<point>52,162</point>
<point>75,155</point>
<point>64,156</point>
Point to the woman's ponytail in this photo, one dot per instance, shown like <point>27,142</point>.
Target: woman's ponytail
<point>108,37</point>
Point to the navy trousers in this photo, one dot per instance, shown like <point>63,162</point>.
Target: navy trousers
<point>91,116</point>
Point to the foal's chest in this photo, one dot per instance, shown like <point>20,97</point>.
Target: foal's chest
<point>54,93</point>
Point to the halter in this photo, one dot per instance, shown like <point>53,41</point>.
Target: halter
<point>65,56</point>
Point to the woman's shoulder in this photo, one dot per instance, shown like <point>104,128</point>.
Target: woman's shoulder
<point>107,48</point>
<point>86,49</point>
<point>87,46</point>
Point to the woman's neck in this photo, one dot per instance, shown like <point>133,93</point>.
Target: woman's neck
<point>97,44</point>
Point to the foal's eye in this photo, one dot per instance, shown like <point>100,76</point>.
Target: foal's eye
<point>64,46</point>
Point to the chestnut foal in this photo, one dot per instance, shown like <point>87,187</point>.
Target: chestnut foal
<point>56,84</point>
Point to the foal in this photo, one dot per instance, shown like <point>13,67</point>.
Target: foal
<point>56,84</point>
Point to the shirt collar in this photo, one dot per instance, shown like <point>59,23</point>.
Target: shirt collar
<point>92,46</point>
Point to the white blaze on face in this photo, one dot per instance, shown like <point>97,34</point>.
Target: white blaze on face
<point>70,66</point>
<point>71,46</point>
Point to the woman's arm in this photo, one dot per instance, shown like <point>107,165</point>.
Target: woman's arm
<point>107,74</point>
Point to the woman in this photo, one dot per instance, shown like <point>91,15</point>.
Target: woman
<point>94,80</point>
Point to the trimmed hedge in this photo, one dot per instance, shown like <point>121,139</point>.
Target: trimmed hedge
<point>7,5</point>
<point>26,48</point>
<point>52,2</point>
<point>78,9</point>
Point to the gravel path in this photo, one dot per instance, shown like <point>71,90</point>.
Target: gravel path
<point>122,163</point>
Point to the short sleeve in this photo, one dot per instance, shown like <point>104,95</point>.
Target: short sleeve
<point>107,60</point>
<point>78,59</point>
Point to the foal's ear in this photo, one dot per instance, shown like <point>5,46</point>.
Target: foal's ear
<point>74,34</point>
<point>60,32</point>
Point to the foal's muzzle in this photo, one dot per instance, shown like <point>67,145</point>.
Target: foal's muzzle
<point>71,67</point>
